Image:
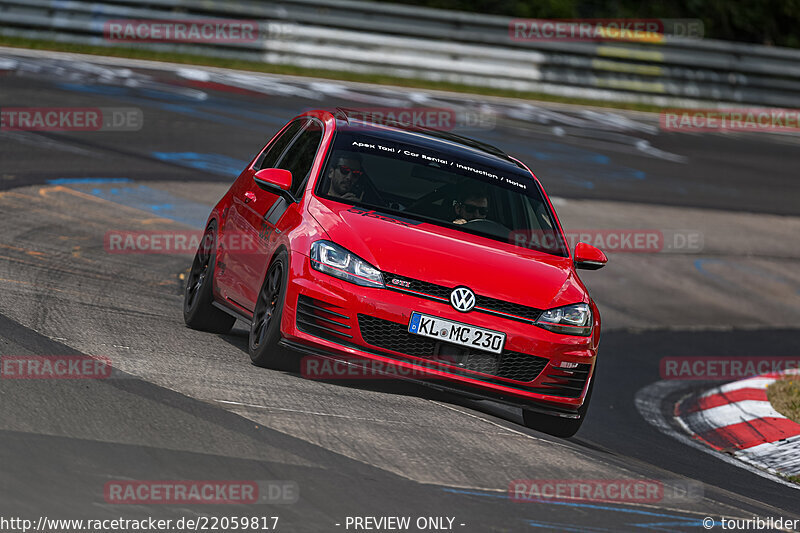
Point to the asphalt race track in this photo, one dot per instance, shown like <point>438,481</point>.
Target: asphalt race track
<point>186,405</point>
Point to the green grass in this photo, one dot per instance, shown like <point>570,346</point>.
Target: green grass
<point>254,66</point>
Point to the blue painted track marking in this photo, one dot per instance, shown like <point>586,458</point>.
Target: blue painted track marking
<point>161,203</point>
<point>72,181</point>
<point>216,163</point>
<point>212,109</point>
<point>674,520</point>
<point>700,266</point>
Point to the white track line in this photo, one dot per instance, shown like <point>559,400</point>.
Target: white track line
<point>228,402</point>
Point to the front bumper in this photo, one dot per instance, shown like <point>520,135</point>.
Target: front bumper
<point>538,369</point>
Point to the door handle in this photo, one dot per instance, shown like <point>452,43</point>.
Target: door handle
<point>249,196</point>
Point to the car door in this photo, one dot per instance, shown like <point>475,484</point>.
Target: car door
<point>264,210</point>
<point>238,240</point>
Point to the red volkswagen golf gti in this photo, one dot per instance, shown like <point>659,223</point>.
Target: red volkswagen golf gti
<point>399,247</point>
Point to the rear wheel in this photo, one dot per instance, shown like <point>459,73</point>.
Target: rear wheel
<point>198,311</point>
<point>265,329</point>
<point>556,425</point>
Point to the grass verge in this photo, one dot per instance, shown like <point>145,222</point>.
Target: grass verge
<point>784,395</point>
<point>254,66</point>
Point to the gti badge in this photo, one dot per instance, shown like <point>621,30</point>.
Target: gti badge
<point>462,299</point>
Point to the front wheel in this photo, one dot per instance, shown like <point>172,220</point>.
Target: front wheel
<point>198,311</point>
<point>556,425</point>
<point>265,329</point>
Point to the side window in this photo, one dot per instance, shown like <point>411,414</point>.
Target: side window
<point>270,157</point>
<point>300,155</point>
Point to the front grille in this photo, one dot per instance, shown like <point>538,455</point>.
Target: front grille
<point>395,336</point>
<point>501,306</point>
<point>431,289</point>
<point>521,366</point>
<point>485,303</point>
<point>567,383</point>
<point>322,319</point>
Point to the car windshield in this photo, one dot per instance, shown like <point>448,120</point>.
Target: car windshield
<point>451,189</point>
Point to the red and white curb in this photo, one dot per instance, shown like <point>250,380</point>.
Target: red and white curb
<point>738,419</point>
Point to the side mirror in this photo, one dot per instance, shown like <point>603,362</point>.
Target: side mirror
<point>588,257</point>
<point>275,180</point>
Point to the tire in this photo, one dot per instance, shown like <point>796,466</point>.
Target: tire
<point>265,329</point>
<point>556,425</point>
<point>198,311</point>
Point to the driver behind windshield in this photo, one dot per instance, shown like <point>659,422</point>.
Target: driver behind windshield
<point>471,204</point>
<point>345,176</point>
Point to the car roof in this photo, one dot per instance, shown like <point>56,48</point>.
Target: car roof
<point>352,120</point>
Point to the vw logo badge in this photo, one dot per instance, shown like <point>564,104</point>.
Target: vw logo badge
<point>462,299</point>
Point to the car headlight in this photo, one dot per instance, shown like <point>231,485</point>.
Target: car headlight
<point>334,260</point>
<point>575,319</point>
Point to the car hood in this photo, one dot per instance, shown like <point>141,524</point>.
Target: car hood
<point>449,257</point>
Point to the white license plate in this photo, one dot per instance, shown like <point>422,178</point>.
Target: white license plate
<point>456,333</point>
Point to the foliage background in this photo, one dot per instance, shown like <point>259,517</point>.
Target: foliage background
<point>769,22</point>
